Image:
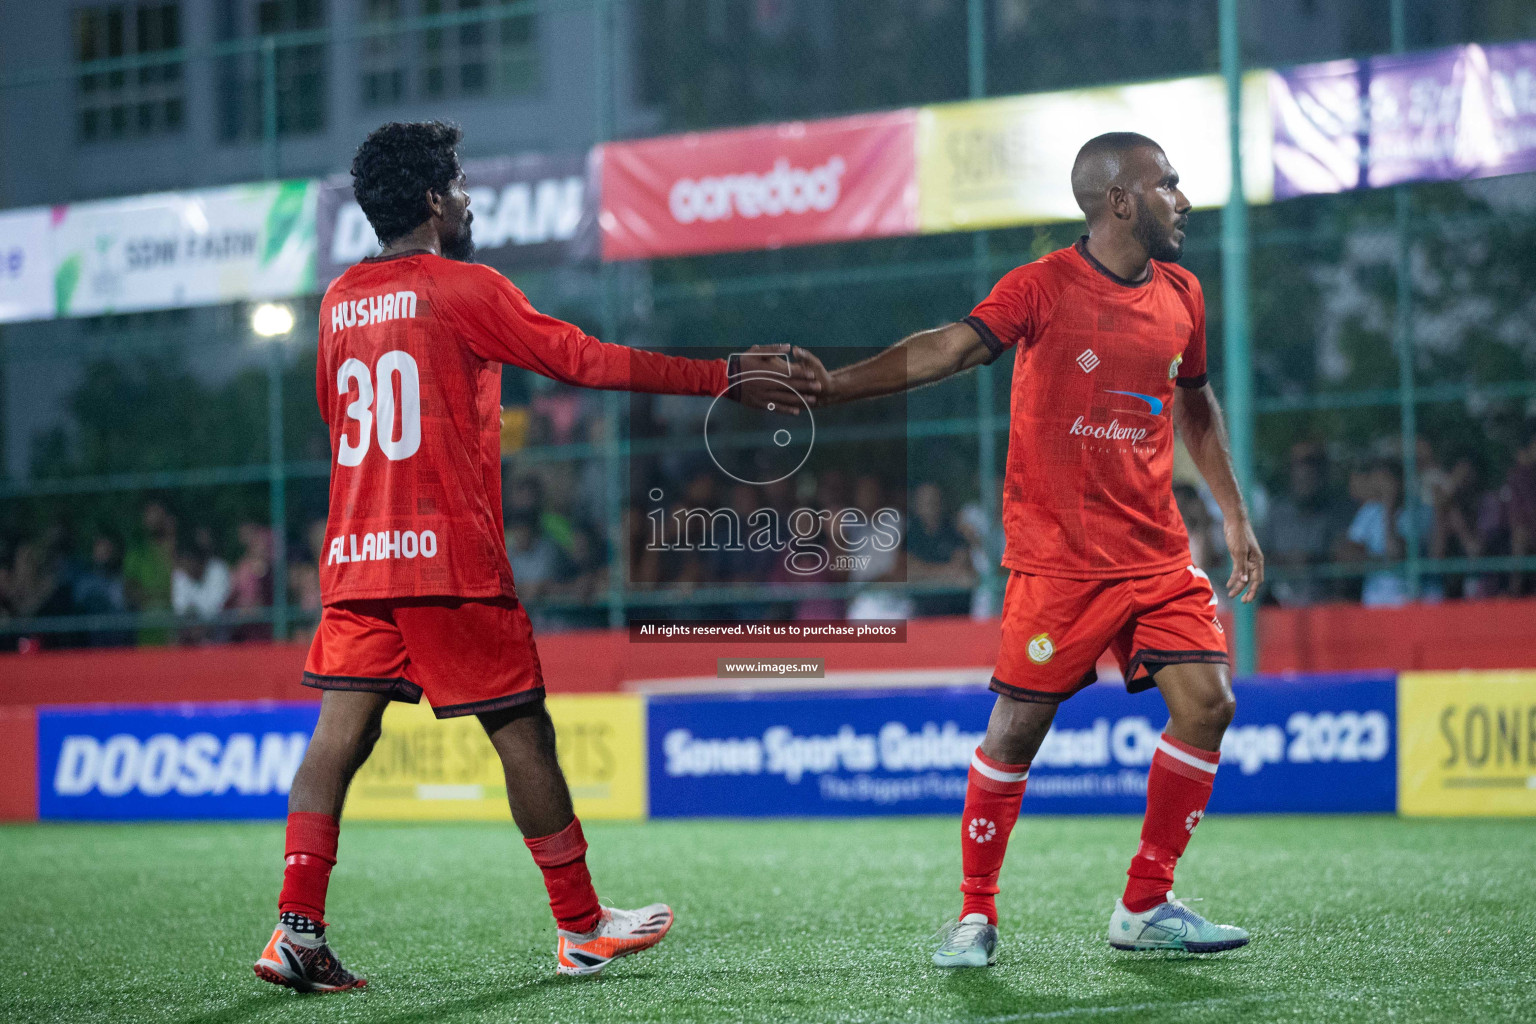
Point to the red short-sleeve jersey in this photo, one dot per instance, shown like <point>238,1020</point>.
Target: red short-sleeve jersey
<point>408,378</point>
<point>1088,492</point>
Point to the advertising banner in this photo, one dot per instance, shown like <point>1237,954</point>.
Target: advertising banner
<point>123,763</point>
<point>529,211</point>
<point>1319,745</point>
<point>990,163</point>
<point>1319,127</point>
<point>1468,743</point>
<point>174,249</point>
<point>1464,112</point>
<point>425,768</point>
<point>760,188</point>
<point>1441,115</point>
<point>26,265</point>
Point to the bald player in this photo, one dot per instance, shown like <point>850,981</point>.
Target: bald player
<point>1110,335</point>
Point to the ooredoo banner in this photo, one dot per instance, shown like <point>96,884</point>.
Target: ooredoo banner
<point>1312,745</point>
<point>193,248</point>
<point>26,265</point>
<point>532,210</point>
<point>123,763</point>
<point>760,188</point>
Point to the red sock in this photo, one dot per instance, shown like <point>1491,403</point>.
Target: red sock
<point>310,853</point>
<point>563,859</point>
<point>1178,787</point>
<point>993,792</point>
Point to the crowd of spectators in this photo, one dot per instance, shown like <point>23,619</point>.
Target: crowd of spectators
<point>173,580</point>
<point>1361,514</point>
<point>168,582</point>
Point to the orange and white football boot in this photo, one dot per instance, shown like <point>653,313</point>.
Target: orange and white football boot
<point>297,956</point>
<point>618,933</point>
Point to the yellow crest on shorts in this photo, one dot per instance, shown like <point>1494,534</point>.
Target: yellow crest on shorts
<point>1040,648</point>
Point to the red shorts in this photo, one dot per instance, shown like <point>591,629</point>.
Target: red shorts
<point>467,656</point>
<point>1055,629</point>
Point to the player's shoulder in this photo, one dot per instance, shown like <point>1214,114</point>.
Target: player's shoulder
<point>1044,273</point>
<point>467,280</point>
<point>1181,278</point>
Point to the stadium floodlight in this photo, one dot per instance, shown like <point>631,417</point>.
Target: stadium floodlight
<point>271,319</point>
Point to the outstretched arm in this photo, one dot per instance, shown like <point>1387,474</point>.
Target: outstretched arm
<point>917,360</point>
<point>500,324</point>
<point>1198,419</point>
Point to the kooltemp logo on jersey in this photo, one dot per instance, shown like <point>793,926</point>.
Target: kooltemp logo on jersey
<point>1154,404</point>
<point>1112,432</point>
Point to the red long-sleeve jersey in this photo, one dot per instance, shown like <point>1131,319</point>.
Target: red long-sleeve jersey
<point>408,379</point>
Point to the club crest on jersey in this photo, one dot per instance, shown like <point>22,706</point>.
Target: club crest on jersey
<point>373,309</point>
<point>1173,367</point>
<point>1040,648</point>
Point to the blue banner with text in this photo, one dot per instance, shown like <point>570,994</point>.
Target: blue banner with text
<point>172,761</point>
<point>1314,744</point>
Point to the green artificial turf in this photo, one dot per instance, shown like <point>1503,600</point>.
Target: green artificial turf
<point>1353,919</point>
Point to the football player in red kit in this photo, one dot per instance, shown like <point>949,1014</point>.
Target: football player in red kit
<point>1111,358</point>
<point>417,591</point>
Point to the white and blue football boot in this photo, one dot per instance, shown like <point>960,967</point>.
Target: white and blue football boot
<point>1171,925</point>
<point>968,942</point>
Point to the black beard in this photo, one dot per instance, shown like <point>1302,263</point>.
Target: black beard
<point>461,246</point>
<point>1158,243</point>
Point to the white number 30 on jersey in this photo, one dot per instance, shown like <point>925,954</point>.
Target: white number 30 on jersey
<point>390,366</point>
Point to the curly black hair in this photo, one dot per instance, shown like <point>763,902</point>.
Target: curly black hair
<point>395,167</point>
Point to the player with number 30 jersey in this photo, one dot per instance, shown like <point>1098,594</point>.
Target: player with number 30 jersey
<point>418,597</point>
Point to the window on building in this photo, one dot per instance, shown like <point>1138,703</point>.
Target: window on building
<point>300,68</point>
<point>128,103</point>
<point>382,54</point>
<point>496,56</point>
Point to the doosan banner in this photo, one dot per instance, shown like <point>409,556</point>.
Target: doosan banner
<point>194,248</point>
<point>171,761</point>
<point>760,188</point>
<point>1311,745</point>
<point>529,211</point>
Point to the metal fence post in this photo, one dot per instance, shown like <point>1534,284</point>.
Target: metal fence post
<point>1402,344</point>
<point>269,108</point>
<point>613,402</point>
<point>277,489</point>
<point>1234,307</point>
<point>981,257</point>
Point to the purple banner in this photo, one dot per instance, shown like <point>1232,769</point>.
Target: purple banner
<point>1444,115</point>
<point>1318,119</point>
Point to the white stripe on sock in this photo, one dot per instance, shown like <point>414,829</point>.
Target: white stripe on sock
<point>997,776</point>
<point>1180,755</point>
